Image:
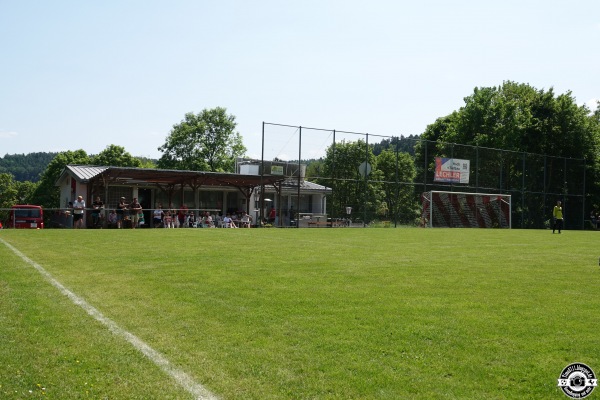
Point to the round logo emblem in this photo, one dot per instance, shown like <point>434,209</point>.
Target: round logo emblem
<point>577,380</point>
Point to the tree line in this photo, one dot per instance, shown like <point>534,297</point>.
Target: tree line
<point>511,116</point>
<point>25,167</point>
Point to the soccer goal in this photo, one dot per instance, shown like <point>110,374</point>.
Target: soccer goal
<point>466,210</point>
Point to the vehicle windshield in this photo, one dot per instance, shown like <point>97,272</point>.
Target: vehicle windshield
<point>27,212</point>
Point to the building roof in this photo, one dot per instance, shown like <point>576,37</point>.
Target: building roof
<point>305,186</point>
<point>84,173</point>
<point>132,176</point>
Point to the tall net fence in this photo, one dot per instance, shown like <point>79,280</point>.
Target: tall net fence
<point>367,187</point>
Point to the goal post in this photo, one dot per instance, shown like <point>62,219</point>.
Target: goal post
<point>465,210</point>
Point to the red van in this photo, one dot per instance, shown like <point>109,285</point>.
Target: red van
<point>26,216</point>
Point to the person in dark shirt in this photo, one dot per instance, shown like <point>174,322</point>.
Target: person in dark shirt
<point>97,210</point>
<point>122,209</point>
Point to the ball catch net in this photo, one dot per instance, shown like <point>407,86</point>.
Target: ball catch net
<point>465,210</point>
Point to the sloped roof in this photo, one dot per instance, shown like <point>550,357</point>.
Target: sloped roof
<point>84,173</point>
<point>131,176</point>
<point>304,186</point>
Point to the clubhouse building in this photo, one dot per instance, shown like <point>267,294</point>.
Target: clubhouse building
<point>256,188</point>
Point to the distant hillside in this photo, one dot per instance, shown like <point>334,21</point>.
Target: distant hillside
<point>26,167</point>
<point>29,167</point>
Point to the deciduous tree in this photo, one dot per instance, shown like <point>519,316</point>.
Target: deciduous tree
<point>398,173</point>
<point>203,142</point>
<point>350,189</point>
<point>115,156</point>
<point>47,194</point>
<point>524,122</point>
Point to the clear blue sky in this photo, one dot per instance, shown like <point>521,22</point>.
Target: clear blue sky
<point>84,75</point>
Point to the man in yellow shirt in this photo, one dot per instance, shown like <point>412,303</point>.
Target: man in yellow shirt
<point>557,213</point>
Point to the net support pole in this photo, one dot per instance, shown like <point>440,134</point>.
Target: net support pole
<point>299,170</point>
<point>522,194</point>
<point>583,198</point>
<point>366,181</point>
<point>397,188</point>
<point>259,223</point>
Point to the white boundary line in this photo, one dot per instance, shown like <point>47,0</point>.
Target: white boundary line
<point>181,377</point>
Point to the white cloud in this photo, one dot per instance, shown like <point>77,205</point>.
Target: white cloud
<point>7,134</point>
<point>592,104</point>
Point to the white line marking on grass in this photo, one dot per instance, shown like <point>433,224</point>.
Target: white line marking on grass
<point>182,378</point>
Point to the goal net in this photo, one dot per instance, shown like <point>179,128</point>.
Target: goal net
<point>465,210</point>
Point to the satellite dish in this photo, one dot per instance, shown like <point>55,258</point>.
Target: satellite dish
<point>364,169</point>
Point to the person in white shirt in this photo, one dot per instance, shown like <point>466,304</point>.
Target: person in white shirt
<point>228,222</point>
<point>78,210</point>
<point>245,220</point>
<point>208,220</point>
<point>158,215</point>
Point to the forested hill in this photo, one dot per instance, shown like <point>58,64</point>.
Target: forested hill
<point>26,167</point>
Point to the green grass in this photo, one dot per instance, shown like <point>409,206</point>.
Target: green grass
<point>301,313</point>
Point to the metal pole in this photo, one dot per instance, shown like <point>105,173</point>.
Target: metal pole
<point>259,223</point>
<point>397,188</point>
<point>583,198</point>
<point>106,206</point>
<point>299,170</point>
<point>334,181</point>
<point>366,181</point>
<point>425,166</point>
<point>452,157</point>
<point>501,169</point>
<point>545,178</point>
<point>565,189</point>
<point>522,194</point>
<point>476,169</point>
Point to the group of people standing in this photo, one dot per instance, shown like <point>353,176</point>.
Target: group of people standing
<point>130,215</point>
<point>127,215</point>
<point>78,208</point>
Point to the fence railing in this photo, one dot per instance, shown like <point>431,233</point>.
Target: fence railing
<point>535,181</point>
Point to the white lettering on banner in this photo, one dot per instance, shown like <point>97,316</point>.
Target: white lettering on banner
<point>451,170</point>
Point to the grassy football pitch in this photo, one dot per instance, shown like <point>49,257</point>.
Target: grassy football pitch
<point>297,313</point>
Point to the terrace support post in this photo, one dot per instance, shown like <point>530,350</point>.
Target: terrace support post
<point>279,214</point>
<point>181,202</point>
<point>106,206</point>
